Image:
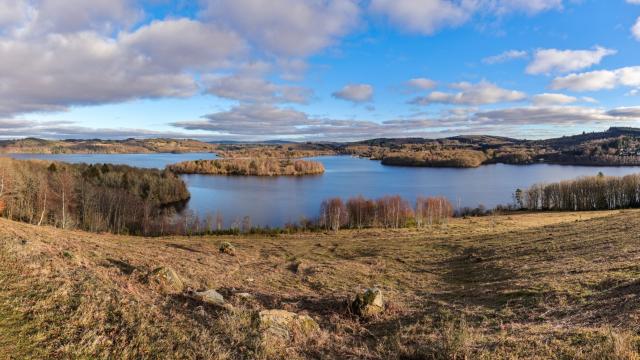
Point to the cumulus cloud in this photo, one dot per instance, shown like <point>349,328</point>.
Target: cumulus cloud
<point>287,27</point>
<point>248,88</point>
<point>625,112</point>
<point>17,128</point>
<point>265,121</point>
<point>599,80</point>
<point>423,16</point>
<point>55,71</point>
<point>38,17</point>
<point>546,61</point>
<point>12,13</point>
<point>259,121</point>
<point>553,99</point>
<point>554,115</point>
<point>471,94</point>
<point>183,44</point>
<point>356,93</point>
<point>421,84</point>
<point>505,56</point>
<point>526,6</point>
<point>428,16</point>
<point>635,30</point>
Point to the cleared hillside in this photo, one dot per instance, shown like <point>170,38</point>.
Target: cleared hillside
<point>555,285</point>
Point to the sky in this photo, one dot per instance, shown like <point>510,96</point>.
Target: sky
<point>317,70</point>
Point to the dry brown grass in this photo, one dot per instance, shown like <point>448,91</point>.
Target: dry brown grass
<point>556,285</point>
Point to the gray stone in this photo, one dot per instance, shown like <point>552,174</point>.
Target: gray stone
<point>168,280</point>
<point>369,303</point>
<point>283,324</point>
<point>227,248</point>
<point>210,297</point>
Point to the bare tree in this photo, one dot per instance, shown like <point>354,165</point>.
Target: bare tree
<point>334,214</point>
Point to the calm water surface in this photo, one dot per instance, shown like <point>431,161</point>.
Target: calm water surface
<point>275,201</point>
<point>149,161</point>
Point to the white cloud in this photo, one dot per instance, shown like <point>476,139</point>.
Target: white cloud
<point>472,94</point>
<point>548,61</point>
<point>17,128</point>
<point>41,17</point>
<point>635,30</point>
<point>428,16</point>
<point>52,72</point>
<point>421,84</point>
<point>505,56</point>
<point>249,88</point>
<point>558,115</point>
<point>287,27</point>
<point>184,44</point>
<point>423,16</point>
<point>356,93</point>
<point>548,99</point>
<point>626,112</point>
<point>599,80</point>
<point>526,6</point>
<point>13,12</point>
<point>267,121</point>
<point>637,2</point>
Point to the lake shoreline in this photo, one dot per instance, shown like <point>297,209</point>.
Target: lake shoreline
<point>276,201</point>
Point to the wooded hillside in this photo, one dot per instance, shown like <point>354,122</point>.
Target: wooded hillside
<point>118,199</point>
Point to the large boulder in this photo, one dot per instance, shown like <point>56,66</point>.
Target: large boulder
<point>210,297</point>
<point>283,325</point>
<point>168,280</point>
<point>368,303</point>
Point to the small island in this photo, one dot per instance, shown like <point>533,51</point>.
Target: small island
<point>446,158</point>
<point>249,167</point>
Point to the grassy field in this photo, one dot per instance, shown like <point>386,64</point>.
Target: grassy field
<point>555,285</point>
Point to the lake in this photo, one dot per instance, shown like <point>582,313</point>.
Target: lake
<point>276,201</point>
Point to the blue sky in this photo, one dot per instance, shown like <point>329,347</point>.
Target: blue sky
<point>317,69</point>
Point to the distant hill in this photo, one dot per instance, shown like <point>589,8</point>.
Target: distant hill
<point>574,140</point>
<point>266,142</point>
<point>94,146</point>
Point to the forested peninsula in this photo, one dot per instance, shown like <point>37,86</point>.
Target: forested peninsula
<point>249,167</point>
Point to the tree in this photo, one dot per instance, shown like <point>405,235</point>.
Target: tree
<point>518,197</point>
<point>433,210</point>
<point>333,214</point>
<point>65,182</point>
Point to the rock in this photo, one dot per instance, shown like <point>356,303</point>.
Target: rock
<point>368,303</point>
<point>295,266</point>
<point>245,296</point>
<point>168,279</point>
<point>210,297</point>
<point>227,248</point>
<point>283,324</point>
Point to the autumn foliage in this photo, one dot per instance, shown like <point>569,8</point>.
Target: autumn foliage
<point>388,212</point>
<point>98,198</point>
<point>249,167</point>
<point>587,193</point>
<point>437,158</point>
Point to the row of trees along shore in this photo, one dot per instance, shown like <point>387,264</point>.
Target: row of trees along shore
<point>583,194</point>
<point>125,200</point>
<point>388,212</point>
<point>98,198</point>
<point>249,167</point>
